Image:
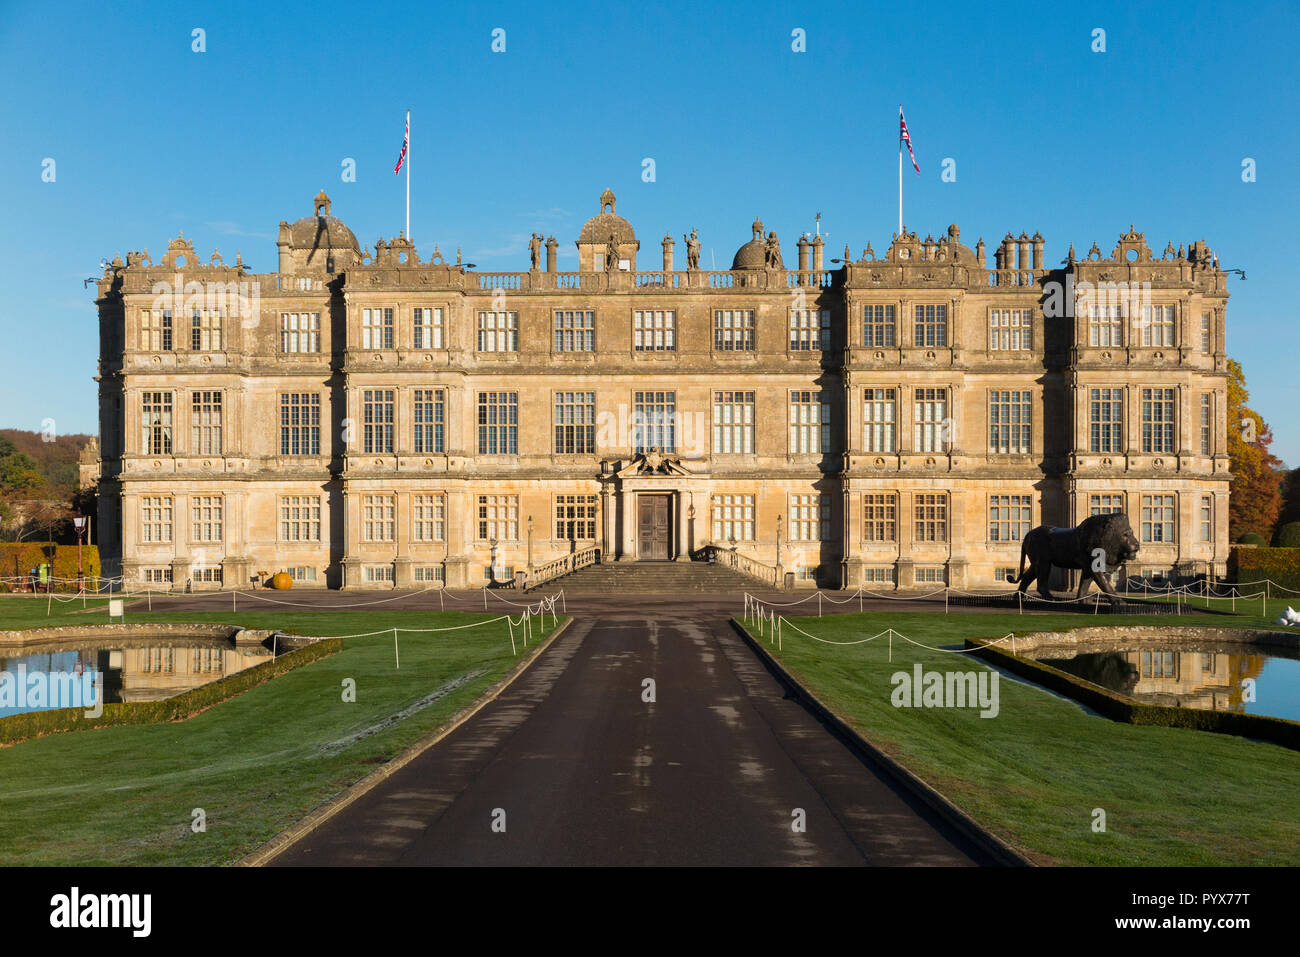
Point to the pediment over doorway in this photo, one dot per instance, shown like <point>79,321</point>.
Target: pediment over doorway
<point>653,462</point>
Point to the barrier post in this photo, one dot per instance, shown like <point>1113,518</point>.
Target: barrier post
<point>511,625</point>
<point>945,599</point>
<point>859,599</point>
<point>1020,600</point>
<point>819,604</point>
<point>396,657</point>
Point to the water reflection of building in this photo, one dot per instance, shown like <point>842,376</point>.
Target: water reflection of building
<point>1208,681</point>
<point>161,671</point>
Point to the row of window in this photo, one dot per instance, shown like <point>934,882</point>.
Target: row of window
<point>655,421</point>
<point>655,330</point>
<point>733,517</point>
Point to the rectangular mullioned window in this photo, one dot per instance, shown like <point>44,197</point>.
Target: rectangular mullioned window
<point>733,330</point>
<point>426,328</point>
<point>377,328</point>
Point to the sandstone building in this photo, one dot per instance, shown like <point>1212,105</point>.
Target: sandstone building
<point>368,418</point>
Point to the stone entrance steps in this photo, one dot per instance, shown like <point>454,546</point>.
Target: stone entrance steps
<point>649,578</point>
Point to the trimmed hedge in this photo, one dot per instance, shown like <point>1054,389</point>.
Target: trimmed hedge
<point>1251,538</point>
<point>17,559</point>
<point>1117,707</point>
<point>1287,536</point>
<point>34,724</point>
<point>1281,565</point>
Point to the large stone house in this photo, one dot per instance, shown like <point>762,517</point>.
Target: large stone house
<point>370,418</point>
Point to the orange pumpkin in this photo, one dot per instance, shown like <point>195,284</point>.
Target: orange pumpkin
<point>281,581</point>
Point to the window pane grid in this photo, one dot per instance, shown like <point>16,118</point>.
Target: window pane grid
<point>931,325</point>
<point>1105,420</point>
<point>1009,517</point>
<point>498,332</point>
<point>810,330</point>
<point>931,516</point>
<point>498,423</point>
<point>377,420</point>
<point>733,517</point>
<point>733,330</point>
<point>810,417</point>
<point>654,421</point>
<point>299,518</point>
<point>575,518</point>
<point>878,326</point>
<point>1158,412</point>
<point>299,424</point>
<point>1009,425</point>
<point>575,331</point>
<point>575,423</point>
<point>428,414</point>
<point>878,420</point>
<point>733,423</point>
<point>654,331</point>
<point>931,414</point>
<point>1009,329</point>
<point>879,513</point>
<point>377,328</point>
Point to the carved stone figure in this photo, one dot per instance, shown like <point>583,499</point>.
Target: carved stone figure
<point>1048,547</point>
<point>611,254</point>
<point>535,250</point>
<point>773,252</point>
<point>693,249</point>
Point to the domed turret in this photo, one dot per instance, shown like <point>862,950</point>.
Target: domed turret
<point>607,240</point>
<point>598,229</point>
<point>758,253</point>
<point>320,241</point>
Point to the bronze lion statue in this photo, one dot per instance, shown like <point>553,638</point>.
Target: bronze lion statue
<point>1098,546</point>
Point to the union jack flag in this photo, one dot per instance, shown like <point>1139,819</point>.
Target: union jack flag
<point>406,141</point>
<point>903,136</point>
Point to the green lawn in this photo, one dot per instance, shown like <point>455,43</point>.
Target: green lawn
<point>1035,773</point>
<point>256,763</point>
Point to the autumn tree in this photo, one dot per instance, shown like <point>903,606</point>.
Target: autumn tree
<point>1255,496</point>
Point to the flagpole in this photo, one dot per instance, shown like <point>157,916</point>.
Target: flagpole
<point>900,169</point>
<point>408,177</point>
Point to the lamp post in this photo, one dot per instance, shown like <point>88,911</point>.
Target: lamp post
<point>79,521</point>
<point>530,545</point>
<point>778,541</point>
<point>493,567</point>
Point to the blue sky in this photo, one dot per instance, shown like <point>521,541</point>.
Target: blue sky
<point>150,138</point>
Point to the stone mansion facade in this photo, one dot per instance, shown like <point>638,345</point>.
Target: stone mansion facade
<point>366,418</point>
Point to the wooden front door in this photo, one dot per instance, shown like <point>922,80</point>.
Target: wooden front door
<point>652,527</point>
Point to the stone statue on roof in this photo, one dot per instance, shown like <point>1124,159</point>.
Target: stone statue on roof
<point>693,250</point>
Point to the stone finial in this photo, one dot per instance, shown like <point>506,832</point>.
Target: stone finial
<point>321,204</point>
<point>607,199</point>
<point>757,228</point>
<point>1069,258</point>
